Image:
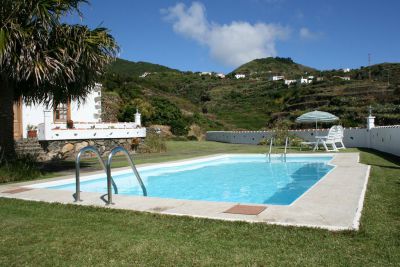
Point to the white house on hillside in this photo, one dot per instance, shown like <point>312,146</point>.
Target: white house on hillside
<point>288,82</point>
<point>220,75</point>
<point>304,80</point>
<point>276,78</point>
<point>51,123</point>
<point>205,73</point>
<point>240,76</point>
<point>145,74</point>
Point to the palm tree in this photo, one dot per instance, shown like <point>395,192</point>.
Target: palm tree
<point>44,60</point>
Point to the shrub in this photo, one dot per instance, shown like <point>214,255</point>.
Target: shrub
<point>281,131</point>
<point>21,168</point>
<point>167,113</point>
<point>153,143</point>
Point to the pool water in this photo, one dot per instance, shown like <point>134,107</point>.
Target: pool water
<point>234,178</point>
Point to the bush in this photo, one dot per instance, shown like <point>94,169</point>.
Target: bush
<point>153,143</point>
<point>21,168</point>
<point>281,131</point>
<point>167,113</point>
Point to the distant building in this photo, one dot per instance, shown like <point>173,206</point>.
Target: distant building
<point>319,79</point>
<point>220,75</point>
<point>240,76</point>
<point>344,78</point>
<point>346,70</point>
<point>276,78</point>
<point>288,82</point>
<point>205,73</point>
<point>145,74</point>
<point>311,77</point>
<point>304,80</point>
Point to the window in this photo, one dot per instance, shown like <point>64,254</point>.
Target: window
<point>61,113</point>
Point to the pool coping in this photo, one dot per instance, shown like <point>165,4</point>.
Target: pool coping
<point>335,202</point>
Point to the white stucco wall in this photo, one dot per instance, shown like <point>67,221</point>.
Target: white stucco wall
<point>31,115</point>
<point>87,111</point>
<point>384,138</point>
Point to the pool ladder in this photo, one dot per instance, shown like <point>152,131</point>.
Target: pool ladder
<point>107,168</point>
<point>283,154</point>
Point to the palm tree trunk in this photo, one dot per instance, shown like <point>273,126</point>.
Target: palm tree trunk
<point>7,149</point>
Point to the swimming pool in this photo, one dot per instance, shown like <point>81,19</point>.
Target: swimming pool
<point>246,178</point>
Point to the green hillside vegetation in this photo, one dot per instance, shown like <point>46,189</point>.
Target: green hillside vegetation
<point>265,67</point>
<point>253,103</point>
<point>125,67</point>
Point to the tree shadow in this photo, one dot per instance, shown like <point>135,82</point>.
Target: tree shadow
<point>392,159</point>
<point>66,166</point>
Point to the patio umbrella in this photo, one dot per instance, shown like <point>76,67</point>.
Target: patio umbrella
<point>317,116</point>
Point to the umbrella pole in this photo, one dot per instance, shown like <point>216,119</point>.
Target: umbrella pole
<point>316,127</point>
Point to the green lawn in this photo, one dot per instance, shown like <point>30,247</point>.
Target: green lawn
<point>44,234</point>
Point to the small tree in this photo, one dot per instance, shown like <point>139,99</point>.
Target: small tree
<point>45,61</point>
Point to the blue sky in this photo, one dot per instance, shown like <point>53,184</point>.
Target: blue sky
<point>221,35</point>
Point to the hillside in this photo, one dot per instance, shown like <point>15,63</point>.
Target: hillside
<point>180,99</point>
<point>266,67</point>
<point>125,67</point>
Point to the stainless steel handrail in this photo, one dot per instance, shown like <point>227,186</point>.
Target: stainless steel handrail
<point>285,152</point>
<point>109,177</point>
<point>78,169</point>
<point>270,148</point>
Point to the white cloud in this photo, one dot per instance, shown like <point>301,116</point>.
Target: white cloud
<point>306,34</point>
<point>231,44</point>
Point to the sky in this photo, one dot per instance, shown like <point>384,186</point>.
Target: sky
<point>220,35</point>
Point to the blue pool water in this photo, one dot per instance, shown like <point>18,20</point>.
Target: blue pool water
<point>237,178</point>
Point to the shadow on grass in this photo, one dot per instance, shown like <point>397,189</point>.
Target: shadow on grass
<point>65,166</point>
<point>394,160</point>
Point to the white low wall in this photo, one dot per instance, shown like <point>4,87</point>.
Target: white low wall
<point>51,132</point>
<point>383,138</point>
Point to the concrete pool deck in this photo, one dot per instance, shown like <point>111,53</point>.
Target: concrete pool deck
<point>335,202</point>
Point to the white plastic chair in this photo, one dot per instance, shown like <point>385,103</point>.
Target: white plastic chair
<point>339,137</point>
<point>329,139</point>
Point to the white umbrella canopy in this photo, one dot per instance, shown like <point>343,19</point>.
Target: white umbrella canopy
<point>317,116</point>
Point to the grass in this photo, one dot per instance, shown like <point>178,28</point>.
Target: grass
<point>45,234</point>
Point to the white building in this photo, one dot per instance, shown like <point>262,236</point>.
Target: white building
<point>51,123</point>
<point>346,70</point>
<point>276,78</point>
<point>289,82</point>
<point>240,76</point>
<point>344,78</point>
<point>205,73</point>
<point>220,75</point>
<point>145,74</point>
<point>304,80</point>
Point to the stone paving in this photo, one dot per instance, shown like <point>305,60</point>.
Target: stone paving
<point>334,203</point>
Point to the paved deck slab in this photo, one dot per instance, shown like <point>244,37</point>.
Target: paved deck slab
<point>334,202</point>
